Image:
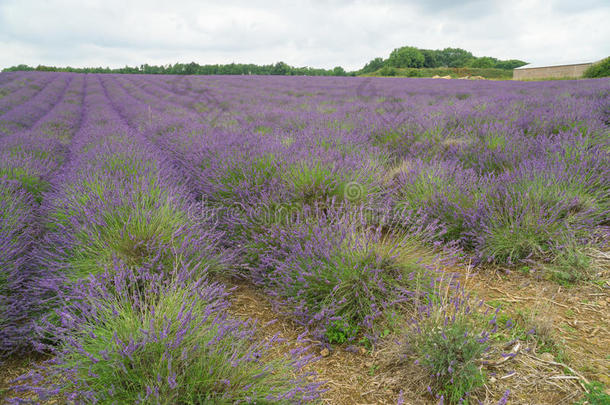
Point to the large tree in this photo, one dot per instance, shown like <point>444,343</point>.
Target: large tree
<point>430,57</point>
<point>373,65</point>
<point>483,62</point>
<point>454,57</point>
<point>407,56</point>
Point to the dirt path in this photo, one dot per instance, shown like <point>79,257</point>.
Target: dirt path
<point>350,375</point>
<point>577,317</point>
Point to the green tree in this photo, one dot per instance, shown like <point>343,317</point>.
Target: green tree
<point>339,71</point>
<point>599,69</point>
<point>280,68</point>
<point>454,57</point>
<point>373,65</point>
<point>431,58</point>
<point>483,62</point>
<point>509,64</point>
<point>191,68</point>
<point>407,56</point>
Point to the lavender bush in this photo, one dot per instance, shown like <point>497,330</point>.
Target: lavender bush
<point>448,338</point>
<point>134,336</point>
<point>29,162</point>
<point>117,201</point>
<point>340,279</point>
<point>15,240</point>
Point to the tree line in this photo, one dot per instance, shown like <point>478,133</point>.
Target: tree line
<point>404,57</point>
<point>193,68</point>
<point>412,57</point>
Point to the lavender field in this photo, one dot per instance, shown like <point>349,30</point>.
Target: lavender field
<point>359,210</point>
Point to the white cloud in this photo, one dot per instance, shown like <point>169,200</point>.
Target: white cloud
<point>314,33</point>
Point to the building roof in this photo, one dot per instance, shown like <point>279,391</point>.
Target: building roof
<point>540,65</point>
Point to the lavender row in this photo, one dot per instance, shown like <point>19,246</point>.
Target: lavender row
<point>303,270</point>
<point>23,89</point>
<point>506,178</point>
<point>460,158</point>
<point>341,198</point>
<point>30,161</point>
<point>27,114</point>
<point>129,278</point>
<point>8,78</point>
<point>232,179</point>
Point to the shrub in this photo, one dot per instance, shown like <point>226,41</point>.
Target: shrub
<point>132,336</point>
<point>388,71</point>
<point>595,395</point>
<point>448,342</point>
<point>16,232</point>
<point>315,182</point>
<point>243,179</point>
<point>445,193</point>
<point>139,221</point>
<point>600,69</point>
<point>338,279</point>
<point>540,212</point>
<point>28,170</point>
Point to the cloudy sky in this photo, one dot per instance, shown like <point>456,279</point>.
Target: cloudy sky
<point>311,33</point>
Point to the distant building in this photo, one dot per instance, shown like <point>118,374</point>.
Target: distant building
<point>574,71</point>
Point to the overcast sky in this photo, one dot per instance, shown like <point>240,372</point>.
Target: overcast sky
<point>310,33</point>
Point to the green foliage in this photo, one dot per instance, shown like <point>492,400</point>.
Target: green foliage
<point>447,341</point>
<point>483,62</point>
<point>339,71</point>
<point>407,56</point>
<point>448,57</point>
<point>193,68</point>
<point>509,64</point>
<point>126,166</point>
<point>391,139</point>
<point>516,236</point>
<point>496,163</point>
<point>434,187</point>
<point>146,221</point>
<point>130,234</point>
<point>31,182</point>
<point>569,265</point>
<point>450,353</point>
<point>595,395</point>
<point>487,73</point>
<point>454,57</point>
<point>431,58</point>
<point>280,68</point>
<point>449,61</point>
<point>340,332</point>
<point>412,72</point>
<point>244,174</point>
<point>311,183</point>
<point>373,65</point>
<point>354,282</point>
<point>19,68</point>
<point>599,69</point>
<point>202,362</point>
<point>535,223</point>
<point>388,71</point>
